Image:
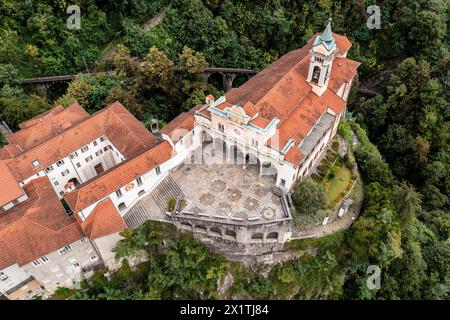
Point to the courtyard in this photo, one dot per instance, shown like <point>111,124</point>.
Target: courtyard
<point>228,192</point>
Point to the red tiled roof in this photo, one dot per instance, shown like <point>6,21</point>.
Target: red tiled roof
<point>111,180</point>
<point>10,189</point>
<point>342,43</point>
<point>281,91</point>
<point>294,156</point>
<point>48,126</point>
<point>103,220</point>
<point>36,227</point>
<point>127,134</point>
<point>260,122</point>
<point>33,121</point>
<point>180,125</point>
<point>10,151</point>
<point>271,79</point>
<point>342,71</point>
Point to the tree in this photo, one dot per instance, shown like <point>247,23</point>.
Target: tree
<point>127,98</point>
<point>308,197</point>
<point>158,71</point>
<point>192,62</point>
<point>407,202</point>
<point>17,109</point>
<point>8,75</point>
<point>78,90</point>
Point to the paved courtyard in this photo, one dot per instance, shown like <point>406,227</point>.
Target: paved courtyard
<point>228,191</point>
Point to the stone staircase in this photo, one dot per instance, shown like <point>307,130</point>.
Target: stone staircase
<point>168,188</point>
<point>137,215</point>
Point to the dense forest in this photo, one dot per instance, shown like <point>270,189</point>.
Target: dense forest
<point>399,109</point>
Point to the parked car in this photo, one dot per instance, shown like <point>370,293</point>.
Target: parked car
<point>344,207</point>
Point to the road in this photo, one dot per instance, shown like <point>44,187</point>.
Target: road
<point>152,22</point>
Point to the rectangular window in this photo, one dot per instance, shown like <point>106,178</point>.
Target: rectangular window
<point>221,127</point>
<point>254,143</point>
<point>49,169</point>
<point>76,265</point>
<point>95,143</point>
<point>158,170</point>
<point>3,276</point>
<point>78,164</point>
<point>102,138</point>
<point>108,147</point>
<point>73,155</point>
<point>283,182</point>
<point>83,240</point>
<point>88,159</point>
<point>139,181</point>
<point>61,193</point>
<point>65,249</point>
<point>36,163</point>
<point>94,258</point>
<point>36,263</point>
<point>44,259</point>
<point>99,152</point>
<point>65,172</point>
<point>84,149</point>
<point>118,193</point>
<point>60,163</point>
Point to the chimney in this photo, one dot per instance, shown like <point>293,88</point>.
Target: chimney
<point>209,99</point>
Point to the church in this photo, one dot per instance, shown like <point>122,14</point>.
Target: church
<point>71,182</point>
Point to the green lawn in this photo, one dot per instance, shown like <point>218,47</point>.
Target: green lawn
<point>337,185</point>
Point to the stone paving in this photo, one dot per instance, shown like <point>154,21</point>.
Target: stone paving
<point>228,191</point>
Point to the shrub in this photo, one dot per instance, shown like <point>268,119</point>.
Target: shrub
<point>171,203</point>
<point>345,130</point>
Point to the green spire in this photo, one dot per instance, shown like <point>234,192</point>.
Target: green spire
<point>326,37</point>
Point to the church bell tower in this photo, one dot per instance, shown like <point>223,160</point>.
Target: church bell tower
<point>322,55</point>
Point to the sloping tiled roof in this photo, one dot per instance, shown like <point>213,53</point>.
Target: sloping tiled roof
<point>342,71</point>
<point>278,88</point>
<point>281,91</point>
<point>181,125</point>
<point>10,151</point>
<point>260,122</point>
<point>36,227</point>
<point>103,220</point>
<point>127,134</point>
<point>115,178</point>
<point>33,121</point>
<point>45,127</point>
<point>9,188</point>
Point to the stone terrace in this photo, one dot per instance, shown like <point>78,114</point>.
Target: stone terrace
<point>228,192</point>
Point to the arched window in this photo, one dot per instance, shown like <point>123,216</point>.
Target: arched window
<point>230,233</point>
<point>186,225</point>
<point>257,236</point>
<point>316,74</point>
<point>216,230</point>
<point>272,235</point>
<point>200,228</point>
